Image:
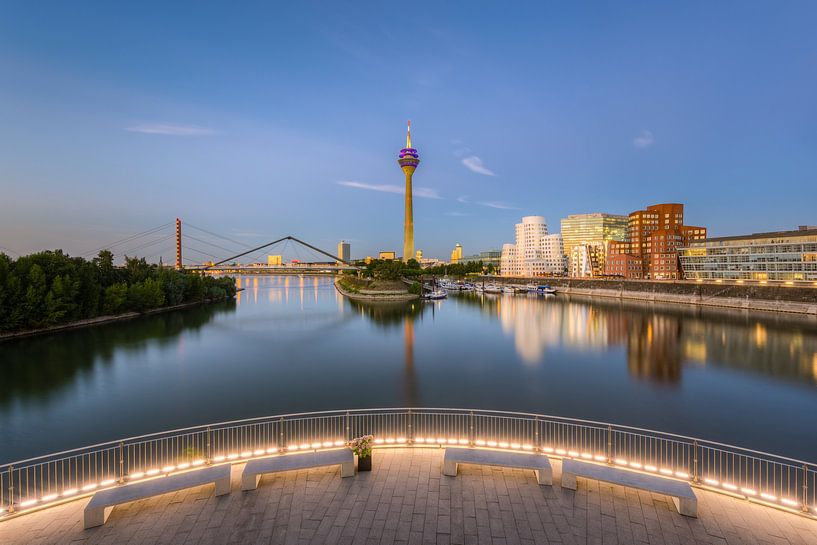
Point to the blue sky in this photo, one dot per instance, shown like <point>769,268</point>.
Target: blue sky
<point>257,121</point>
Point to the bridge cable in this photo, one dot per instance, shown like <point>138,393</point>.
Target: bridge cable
<point>208,243</point>
<point>240,244</point>
<point>290,237</point>
<point>147,244</point>
<point>128,239</point>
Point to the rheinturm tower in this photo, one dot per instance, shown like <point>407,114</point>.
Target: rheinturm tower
<point>408,161</point>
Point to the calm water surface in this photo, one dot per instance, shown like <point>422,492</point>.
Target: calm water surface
<point>292,344</point>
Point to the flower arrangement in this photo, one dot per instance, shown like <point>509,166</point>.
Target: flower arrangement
<point>362,446</point>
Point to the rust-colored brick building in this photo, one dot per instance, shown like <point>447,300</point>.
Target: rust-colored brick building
<point>651,249</point>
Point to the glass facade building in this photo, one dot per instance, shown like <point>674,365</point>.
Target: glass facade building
<point>593,232</point>
<point>783,255</point>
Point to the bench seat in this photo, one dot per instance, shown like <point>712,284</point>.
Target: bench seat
<point>517,460</point>
<point>681,492</point>
<point>290,462</point>
<point>102,503</point>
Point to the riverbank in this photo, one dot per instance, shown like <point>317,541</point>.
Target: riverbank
<point>791,299</point>
<point>386,291</point>
<point>101,320</point>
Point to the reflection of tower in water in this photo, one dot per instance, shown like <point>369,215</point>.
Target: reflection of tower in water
<point>409,378</point>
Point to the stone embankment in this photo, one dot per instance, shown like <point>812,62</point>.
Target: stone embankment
<point>755,297</point>
<point>373,291</point>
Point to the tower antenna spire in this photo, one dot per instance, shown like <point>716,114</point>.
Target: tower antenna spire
<point>408,135</point>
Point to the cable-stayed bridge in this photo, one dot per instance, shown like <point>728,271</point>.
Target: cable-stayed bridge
<point>212,252</point>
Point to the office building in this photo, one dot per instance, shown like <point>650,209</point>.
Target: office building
<point>387,255</point>
<point>650,250</point>
<point>781,255</point>
<point>490,257</point>
<point>456,254</point>
<point>535,253</point>
<point>344,251</point>
<point>593,232</point>
<point>274,260</point>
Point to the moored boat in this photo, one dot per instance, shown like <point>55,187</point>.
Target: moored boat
<point>435,295</point>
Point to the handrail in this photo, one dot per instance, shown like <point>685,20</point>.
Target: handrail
<point>59,476</point>
<point>383,409</point>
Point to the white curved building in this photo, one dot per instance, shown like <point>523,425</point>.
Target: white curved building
<point>536,253</point>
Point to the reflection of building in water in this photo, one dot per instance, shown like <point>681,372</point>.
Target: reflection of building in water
<point>653,349</point>
<point>771,349</point>
<point>536,325</point>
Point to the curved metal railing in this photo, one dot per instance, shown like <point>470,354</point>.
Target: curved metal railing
<point>758,476</point>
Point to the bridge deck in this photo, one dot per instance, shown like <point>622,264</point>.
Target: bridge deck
<point>406,500</point>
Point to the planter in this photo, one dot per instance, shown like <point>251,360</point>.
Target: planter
<point>364,464</point>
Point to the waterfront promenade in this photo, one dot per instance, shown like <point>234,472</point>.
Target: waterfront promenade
<point>405,499</point>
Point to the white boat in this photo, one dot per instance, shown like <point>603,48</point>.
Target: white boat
<point>541,289</point>
<point>508,289</point>
<point>449,285</point>
<point>435,295</point>
<point>492,288</point>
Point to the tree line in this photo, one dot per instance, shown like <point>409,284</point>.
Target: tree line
<point>393,269</point>
<point>51,288</point>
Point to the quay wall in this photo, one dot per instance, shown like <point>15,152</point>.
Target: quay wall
<point>775,298</point>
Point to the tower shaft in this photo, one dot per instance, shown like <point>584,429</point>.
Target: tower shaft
<point>178,243</point>
<point>408,224</point>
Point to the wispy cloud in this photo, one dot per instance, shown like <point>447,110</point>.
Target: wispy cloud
<point>644,140</point>
<point>498,205</point>
<point>170,129</point>
<point>422,192</point>
<point>475,164</point>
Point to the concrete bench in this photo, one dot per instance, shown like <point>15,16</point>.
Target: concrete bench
<point>99,508</point>
<point>517,460</point>
<point>290,462</point>
<point>681,493</point>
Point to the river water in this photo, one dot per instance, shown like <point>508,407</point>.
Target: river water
<point>292,343</point>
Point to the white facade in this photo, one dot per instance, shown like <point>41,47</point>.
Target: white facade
<point>536,253</point>
<point>582,260</point>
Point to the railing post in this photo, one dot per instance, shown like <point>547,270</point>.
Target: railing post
<point>11,489</point>
<point>208,455</point>
<point>536,444</point>
<point>805,488</point>
<point>695,476</point>
<point>471,428</point>
<point>410,430</point>
<point>281,437</point>
<point>121,462</point>
<point>609,444</point>
<point>348,429</point>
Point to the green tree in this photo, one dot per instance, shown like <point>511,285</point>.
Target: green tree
<point>115,297</point>
<point>35,296</point>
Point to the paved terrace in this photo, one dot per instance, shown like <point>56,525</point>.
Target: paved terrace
<point>406,500</point>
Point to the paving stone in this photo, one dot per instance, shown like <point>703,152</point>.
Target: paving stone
<point>403,501</point>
